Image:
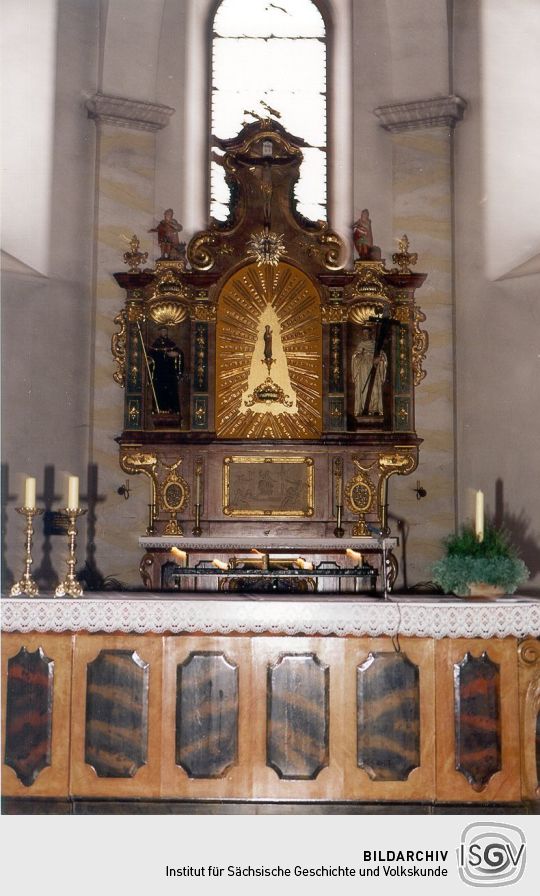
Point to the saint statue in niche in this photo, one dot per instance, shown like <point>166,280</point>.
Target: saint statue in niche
<point>167,231</point>
<point>166,362</point>
<point>367,366</point>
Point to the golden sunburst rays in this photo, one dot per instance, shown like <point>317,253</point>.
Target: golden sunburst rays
<point>244,299</point>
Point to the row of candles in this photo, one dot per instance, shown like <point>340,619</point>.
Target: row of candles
<point>69,584</point>
<point>261,558</point>
<point>30,493</point>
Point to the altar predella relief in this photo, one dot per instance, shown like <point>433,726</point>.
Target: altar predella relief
<point>265,381</point>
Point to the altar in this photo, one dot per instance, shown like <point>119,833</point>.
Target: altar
<point>155,696</point>
<point>268,399</point>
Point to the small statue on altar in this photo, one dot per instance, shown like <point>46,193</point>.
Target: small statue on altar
<point>267,336</point>
<point>363,238</point>
<point>167,231</point>
<point>166,365</point>
<point>368,373</point>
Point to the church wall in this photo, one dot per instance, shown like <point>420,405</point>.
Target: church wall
<point>47,320</point>
<point>405,179</point>
<point>497,357</point>
<point>422,210</point>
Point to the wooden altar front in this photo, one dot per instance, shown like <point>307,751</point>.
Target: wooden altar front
<point>250,698</point>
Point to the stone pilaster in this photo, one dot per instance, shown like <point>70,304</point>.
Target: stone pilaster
<point>125,174</point>
<point>421,134</point>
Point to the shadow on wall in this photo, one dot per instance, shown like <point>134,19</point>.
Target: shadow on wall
<point>50,534</point>
<point>526,542</point>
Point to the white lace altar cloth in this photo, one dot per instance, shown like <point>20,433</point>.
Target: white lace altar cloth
<point>426,617</point>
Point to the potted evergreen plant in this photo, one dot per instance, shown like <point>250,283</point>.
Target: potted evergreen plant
<point>476,567</point>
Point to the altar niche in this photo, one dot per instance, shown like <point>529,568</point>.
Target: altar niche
<point>256,342</point>
<point>269,355</point>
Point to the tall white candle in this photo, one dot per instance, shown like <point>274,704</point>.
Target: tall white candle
<point>73,493</point>
<point>30,493</point>
<point>479,516</point>
<point>197,488</point>
<point>339,495</point>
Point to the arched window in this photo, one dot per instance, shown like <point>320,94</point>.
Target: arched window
<point>272,56</point>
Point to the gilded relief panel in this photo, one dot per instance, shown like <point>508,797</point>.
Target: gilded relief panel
<point>269,355</point>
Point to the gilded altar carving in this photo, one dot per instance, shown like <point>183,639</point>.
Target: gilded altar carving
<point>255,304</point>
<point>369,280</point>
<point>397,462</point>
<point>135,258</point>
<point>334,313</point>
<point>403,258</point>
<point>262,486</point>
<point>420,344</point>
<point>267,247</point>
<point>203,311</point>
<point>167,314</point>
<point>364,312</point>
<point>173,493</point>
<point>118,348</point>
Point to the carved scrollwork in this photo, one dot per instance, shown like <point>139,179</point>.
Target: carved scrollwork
<point>334,313</point>
<point>369,280</point>
<point>169,283</point>
<point>202,251</point>
<point>174,493</point>
<point>420,344</point>
<point>118,348</point>
<point>397,462</point>
<point>203,311</point>
<point>529,652</point>
<point>138,462</point>
<point>331,250</point>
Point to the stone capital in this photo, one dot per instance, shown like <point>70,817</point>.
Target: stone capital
<point>127,113</point>
<point>437,112</point>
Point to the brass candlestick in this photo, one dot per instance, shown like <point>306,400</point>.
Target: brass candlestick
<point>70,586</point>
<point>26,584</point>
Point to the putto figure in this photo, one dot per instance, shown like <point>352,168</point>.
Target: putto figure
<point>167,232</point>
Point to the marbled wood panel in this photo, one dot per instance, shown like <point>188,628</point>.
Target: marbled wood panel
<point>297,716</point>
<point>477,719</point>
<point>388,716</point>
<point>28,738</point>
<point>53,779</point>
<point>206,715</point>
<point>116,714</point>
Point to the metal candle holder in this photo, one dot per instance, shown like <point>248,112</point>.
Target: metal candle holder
<point>70,586</point>
<point>339,531</point>
<point>197,531</point>
<point>26,584</point>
